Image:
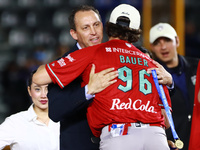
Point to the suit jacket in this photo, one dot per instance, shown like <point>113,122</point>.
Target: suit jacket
<point>182,105</point>
<point>69,106</point>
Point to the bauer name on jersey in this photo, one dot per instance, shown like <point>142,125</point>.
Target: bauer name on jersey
<point>128,100</point>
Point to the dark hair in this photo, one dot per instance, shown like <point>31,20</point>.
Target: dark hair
<point>123,32</point>
<point>30,78</point>
<point>144,50</point>
<point>77,9</point>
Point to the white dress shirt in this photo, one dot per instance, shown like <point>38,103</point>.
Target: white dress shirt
<point>23,132</point>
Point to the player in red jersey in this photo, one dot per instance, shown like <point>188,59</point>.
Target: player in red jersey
<point>127,114</point>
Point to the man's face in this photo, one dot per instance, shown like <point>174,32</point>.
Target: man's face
<point>165,49</point>
<point>89,29</point>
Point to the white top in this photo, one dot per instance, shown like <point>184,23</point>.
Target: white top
<point>23,132</point>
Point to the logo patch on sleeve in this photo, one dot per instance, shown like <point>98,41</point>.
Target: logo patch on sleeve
<point>71,59</point>
<point>61,62</point>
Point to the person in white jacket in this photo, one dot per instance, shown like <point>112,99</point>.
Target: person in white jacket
<point>31,129</point>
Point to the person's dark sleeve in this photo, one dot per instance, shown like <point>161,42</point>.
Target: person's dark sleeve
<point>171,89</point>
<point>67,101</point>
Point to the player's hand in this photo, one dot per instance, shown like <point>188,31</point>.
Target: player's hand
<point>101,80</point>
<point>172,145</point>
<point>164,77</point>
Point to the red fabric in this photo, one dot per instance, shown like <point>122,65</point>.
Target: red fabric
<point>133,98</point>
<point>195,129</point>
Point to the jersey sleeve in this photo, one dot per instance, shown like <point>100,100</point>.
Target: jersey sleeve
<point>68,68</point>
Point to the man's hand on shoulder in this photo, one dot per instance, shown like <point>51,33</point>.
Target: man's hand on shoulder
<point>164,77</point>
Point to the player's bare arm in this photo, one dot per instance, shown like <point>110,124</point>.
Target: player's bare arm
<point>164,77</point>
<point>101,80</point>
<point>41,76</point>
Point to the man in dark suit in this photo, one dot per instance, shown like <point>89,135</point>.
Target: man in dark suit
<point>69,105</point>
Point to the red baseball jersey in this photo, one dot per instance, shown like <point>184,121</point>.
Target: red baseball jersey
<point>132,98</point>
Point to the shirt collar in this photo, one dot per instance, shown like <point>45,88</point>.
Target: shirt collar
<point>78,45</point>
<point>31,114</point>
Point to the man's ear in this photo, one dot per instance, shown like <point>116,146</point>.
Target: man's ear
<point>73,34</point>
<point>177,41</point>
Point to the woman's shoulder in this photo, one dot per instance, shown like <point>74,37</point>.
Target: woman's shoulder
<point>18,116</point>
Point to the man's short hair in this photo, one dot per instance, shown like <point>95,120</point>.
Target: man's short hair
<point>77,9</point>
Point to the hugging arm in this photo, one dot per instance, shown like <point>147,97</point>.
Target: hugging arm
<point>72,98</point>
<point>164,77</point>
<point>41,76</point>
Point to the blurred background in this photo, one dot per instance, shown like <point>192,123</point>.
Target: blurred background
<point>34,32</point>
